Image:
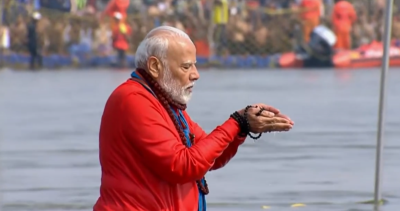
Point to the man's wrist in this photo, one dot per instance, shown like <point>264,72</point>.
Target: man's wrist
<point>242,123</point>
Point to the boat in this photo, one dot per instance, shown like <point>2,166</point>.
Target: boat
<point>366,56</point>
<point>319,53</point>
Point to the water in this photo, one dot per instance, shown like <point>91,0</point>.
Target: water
<point>50,121</point>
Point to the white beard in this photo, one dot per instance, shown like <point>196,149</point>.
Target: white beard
<point>172,86</point>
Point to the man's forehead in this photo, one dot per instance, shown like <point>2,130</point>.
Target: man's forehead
<point>182,51</point>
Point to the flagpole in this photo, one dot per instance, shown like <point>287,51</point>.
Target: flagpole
<point>381,112</point>
<point>2,7</point>
<point>2,36</point>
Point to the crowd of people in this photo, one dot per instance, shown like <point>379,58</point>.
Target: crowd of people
<point>223,27</point>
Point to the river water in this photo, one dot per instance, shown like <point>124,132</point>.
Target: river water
<point>50,121</point>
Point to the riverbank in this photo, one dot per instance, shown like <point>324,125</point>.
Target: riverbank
<point>21,61</point>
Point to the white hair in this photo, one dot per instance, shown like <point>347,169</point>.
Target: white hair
<point>156,45</point>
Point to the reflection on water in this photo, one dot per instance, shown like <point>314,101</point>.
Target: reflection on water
<point>50,123</point>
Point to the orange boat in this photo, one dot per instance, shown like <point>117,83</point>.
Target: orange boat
<point>369,55</point>
<point>319,53</point>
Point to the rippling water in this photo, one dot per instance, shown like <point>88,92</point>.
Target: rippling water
<point>50,121</point>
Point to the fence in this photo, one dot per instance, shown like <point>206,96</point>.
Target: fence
<point>253,35</point>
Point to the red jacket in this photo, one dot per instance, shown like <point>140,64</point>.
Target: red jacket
<point>120,40</point>
<point>145,166</point>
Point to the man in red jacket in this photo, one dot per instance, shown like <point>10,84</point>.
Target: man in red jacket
<point>120,38</point>
<point>153,156</point>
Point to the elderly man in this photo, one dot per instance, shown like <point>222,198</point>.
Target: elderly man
<point>153,156</point>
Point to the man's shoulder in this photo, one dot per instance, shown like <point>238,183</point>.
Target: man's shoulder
<point>128,97</point>
<point>129,94</point>
<point>128,88</point>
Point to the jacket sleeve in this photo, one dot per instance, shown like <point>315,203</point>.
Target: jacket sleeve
<point>145,128</point>
<point>228,153</point>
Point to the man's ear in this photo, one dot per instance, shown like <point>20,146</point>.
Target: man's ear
<point>154,66</point>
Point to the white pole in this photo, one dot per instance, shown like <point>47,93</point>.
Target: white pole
<point>2,36</point>
<point>1,66</point>
<point>385,68</point>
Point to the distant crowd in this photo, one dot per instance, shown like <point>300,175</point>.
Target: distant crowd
<point>224,27</point>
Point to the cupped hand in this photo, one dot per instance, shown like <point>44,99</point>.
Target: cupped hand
<point>264,118</point>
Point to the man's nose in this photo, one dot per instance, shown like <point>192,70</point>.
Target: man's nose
<point>194,75</point>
